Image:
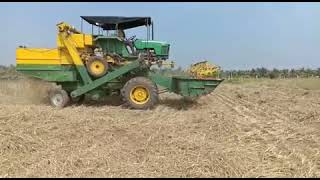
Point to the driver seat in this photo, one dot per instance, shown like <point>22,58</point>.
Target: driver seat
<point>129,43</point>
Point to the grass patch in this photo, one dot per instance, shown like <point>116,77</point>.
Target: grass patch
<point>308,83</point>
<point>244,80</point>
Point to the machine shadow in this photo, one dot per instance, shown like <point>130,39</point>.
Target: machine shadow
<point>179,104</point>
<point>107,101</point>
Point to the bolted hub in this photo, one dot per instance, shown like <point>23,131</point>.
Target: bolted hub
<point>139,95</point>
<point>57,99</point>
<point>97,67</point>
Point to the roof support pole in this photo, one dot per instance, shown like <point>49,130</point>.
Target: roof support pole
<point>81,25</point>
<point>148,31</point>
<point>92,30</point>
<point>152,30</point>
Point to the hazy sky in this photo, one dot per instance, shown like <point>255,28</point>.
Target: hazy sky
<point>232,35</point>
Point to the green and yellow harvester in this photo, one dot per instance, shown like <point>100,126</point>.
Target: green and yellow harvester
<point>94,66</point>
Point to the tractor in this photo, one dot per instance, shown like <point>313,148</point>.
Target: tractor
<point>108,63</point>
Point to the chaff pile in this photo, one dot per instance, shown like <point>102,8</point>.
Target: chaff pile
<point>204,70</point>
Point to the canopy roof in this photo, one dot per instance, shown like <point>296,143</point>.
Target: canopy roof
<point>117,22</point>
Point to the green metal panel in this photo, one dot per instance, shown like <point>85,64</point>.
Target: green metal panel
<point>53,76</point>
<point>194,87</point>
<point>161,48</point>
<point>45,67</point>
<point>58,73</point>
<point>162,81</point>
<point>186,86</point>
<point>108,77</point>
<point>53,73</point>
<point>112,44</point>
<point>84,74</point>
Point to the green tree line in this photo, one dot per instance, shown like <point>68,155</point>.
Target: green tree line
<point>271,73</point>
<point>255,73</point>
<point>10,72</point>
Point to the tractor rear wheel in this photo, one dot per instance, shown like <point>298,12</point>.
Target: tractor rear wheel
<point>140,93</point>
<point>59,98</point>
<point>97,66</point>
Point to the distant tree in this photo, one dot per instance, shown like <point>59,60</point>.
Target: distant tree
<point>301,72</point>
<point>285,73</point>
<point>274,73</point>
<point>253,73</point>
<point>318,72</point>
<point>262,72</point>
<point>309,72</point>
<point>293,73</point>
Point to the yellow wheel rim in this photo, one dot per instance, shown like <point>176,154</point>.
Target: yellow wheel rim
<point>97,67</point>
<point>139,95</point>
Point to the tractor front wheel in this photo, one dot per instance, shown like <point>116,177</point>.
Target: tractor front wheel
<point>140,93</point>
<point>59,98</point>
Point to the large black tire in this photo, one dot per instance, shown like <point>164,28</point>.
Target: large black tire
<point>59,98</point>
<point>136,84</point>
<point>97,66</point>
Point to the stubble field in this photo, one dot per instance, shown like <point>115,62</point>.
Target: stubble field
<point>256,128</point>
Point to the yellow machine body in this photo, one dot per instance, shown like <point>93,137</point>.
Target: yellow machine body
<point>79,40</point>
<point>55,56</point>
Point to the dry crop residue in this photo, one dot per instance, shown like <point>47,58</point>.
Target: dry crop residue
<point>240,130</point>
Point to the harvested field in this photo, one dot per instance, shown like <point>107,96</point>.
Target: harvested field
<point>267,128</point>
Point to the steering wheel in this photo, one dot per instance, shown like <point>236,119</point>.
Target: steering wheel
<point>131,38</point>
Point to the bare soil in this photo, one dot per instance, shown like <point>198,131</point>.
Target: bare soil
<point>268,128</point>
